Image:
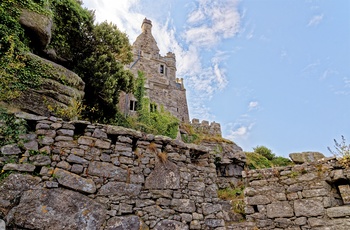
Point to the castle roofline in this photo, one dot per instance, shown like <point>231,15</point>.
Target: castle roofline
<point>146,21</point>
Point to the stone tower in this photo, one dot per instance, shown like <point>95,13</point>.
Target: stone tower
<point>162,86</point>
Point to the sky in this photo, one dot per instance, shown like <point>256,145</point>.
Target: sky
<point>272,72</point>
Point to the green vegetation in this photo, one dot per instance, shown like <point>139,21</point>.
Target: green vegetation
<point>257,161</point>
<point>196,137</point>
<point>97,53</point>
<point>342,151</point>
<point>4,174</point>
<point>104,75</point>
<point>10,128</point>
<point>236,196</point>
<point>262,157</point>
<point>149,118</point>
<point>264,151</point>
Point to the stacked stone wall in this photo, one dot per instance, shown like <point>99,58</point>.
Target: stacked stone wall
<point>212,129</point>
<point>133,180</point>
<point>307,196</point>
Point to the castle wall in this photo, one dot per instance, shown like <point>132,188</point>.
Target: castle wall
<point>307,196</point>
<point>162,86</point>
<point>212,129</point>
<point>110,177</point>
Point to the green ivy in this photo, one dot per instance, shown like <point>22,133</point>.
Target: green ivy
<point>10,128</point>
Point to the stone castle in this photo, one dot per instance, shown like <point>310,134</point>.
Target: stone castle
<point>162,86</point>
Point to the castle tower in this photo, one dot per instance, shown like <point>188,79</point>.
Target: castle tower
<point>145,42</point>
<point>162,86</point>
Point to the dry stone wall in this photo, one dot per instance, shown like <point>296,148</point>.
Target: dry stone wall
<point>77,175</point>
<point>308,196</point>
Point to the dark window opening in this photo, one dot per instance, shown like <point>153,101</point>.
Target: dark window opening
<point>153,107</point>
<point>255,207</point>
<point>161,69</point>
<point>133,105</point>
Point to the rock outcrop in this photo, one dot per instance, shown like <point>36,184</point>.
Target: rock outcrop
<point>38,27</point>
<point>230,161</point>
<point>305,157</point>
<point>61,90</point>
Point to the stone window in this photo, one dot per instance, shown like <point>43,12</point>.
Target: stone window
<point>166,71</point>
<point>161,69</point>
<point>132,105</point>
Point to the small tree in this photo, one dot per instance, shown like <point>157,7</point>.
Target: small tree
<point>264,151</point>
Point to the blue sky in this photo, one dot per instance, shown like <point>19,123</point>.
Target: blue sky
<point>272,72</point>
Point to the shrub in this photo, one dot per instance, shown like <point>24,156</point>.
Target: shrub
<point>281,161</point>
<point>257,161</point>
<point>264,151</point>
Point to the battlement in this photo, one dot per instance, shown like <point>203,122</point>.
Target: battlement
<point>212,129</point>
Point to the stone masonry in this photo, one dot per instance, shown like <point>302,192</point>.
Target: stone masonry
<point>162,86</point>
<point>212,129</point>
<point>79,175</point>
<point>308,196</point>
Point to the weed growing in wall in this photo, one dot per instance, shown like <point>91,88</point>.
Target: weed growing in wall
<point>342,151</point>
<point>235,196</point>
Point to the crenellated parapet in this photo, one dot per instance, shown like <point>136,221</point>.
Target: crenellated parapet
<point>212,129</point>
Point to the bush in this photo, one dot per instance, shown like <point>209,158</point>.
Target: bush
<point>257,161</point>
<point>264,151</point>
<point>159,122</point>
<point>281,161</point>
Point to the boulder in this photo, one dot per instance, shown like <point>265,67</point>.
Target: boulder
<point>56,209</point>
<point>12,188</point>
<point>60,89</point>
<point>37,26</point>
<point>300,158</point>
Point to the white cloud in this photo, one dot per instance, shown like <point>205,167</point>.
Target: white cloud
<point>253,105</point>
<point>283,54</point>
<point>238,132</point>
<point>327,73</point>
<point>212,21</point>
<point>250,35</point>
<point>315,20</point>
<point>208,23</point>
